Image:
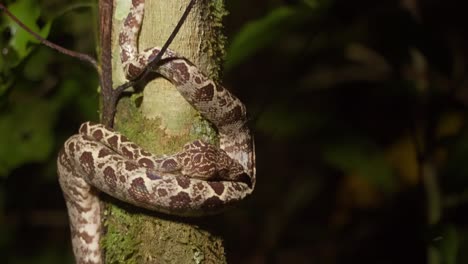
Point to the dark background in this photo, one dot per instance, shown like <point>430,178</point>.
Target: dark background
<point>359,114</point>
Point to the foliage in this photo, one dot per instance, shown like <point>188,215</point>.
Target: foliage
<point>43,97</point>
<point>368,99</point>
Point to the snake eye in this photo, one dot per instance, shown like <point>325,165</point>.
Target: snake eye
<point>223,174</point>
<point>152,175</point>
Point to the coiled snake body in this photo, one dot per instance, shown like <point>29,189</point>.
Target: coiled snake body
<point>201,179</point>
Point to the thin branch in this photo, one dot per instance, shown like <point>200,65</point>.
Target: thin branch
<point>108,96</point>
<point>153,64</point>
<point>78,55</point>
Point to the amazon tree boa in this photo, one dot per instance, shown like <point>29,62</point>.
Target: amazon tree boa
<point>201,179</point>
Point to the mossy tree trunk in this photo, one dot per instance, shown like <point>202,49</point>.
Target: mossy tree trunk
<point>159,119</point>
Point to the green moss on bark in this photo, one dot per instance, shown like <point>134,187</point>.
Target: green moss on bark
<point>137,237</point>
<point>214,44</point>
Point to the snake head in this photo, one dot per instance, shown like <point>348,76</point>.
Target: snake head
<point>204,161</point>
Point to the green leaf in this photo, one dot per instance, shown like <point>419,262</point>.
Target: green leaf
<point>4,85</point>
<point>285,122</point>
<point>26,134</point>
<point>257,34</point>
<point>270,29</point>
<point>35,66</point>
<point>316,3</point>
<point>449,245</point>
<point>28,12</point>
<point>454,171</point>
<point>445,244</point>
<point>365,160</point>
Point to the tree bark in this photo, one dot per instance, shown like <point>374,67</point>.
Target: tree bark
<point>159,119</point>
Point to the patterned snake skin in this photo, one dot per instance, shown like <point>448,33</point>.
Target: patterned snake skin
<point>201,179</point>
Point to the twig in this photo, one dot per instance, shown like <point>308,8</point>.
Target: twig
<point>75,54</point>
<point>108,96</point>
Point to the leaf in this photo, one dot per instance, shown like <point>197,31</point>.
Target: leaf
<point>28,12</point>
<point>286,122</point>
<point>257,34</point>
<point>4,85</point>
<point>445,247</point>
<point>270,29</point>
<point>313,3</point>
<point>454,171</point>
<point>363,159</point>
<point>25,134</point>
<point>35,66</point>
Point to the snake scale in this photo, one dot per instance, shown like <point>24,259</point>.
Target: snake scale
<point>199,180</point>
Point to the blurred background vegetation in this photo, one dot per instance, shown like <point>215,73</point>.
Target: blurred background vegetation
<point>359,113</point>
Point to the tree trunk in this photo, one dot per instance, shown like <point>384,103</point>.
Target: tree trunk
<point>159,119</point>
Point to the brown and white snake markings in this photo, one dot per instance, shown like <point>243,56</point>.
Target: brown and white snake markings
<point>201,179</point>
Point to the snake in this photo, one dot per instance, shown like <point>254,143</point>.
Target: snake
<point>200,179</point>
